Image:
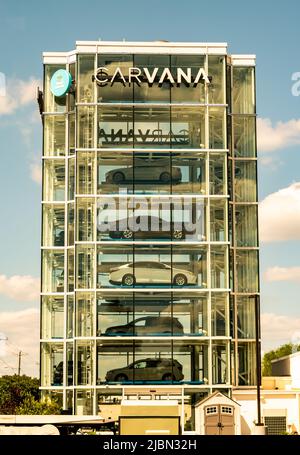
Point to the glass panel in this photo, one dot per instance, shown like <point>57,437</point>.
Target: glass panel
<point>115,172</point>
<point>85,173</point>
<point>70,270</point>
<point>117,90</point>
<point>84,402</point>
<point>52,364</point>
<point>85,126</point>
<point>190,310</point>
<point>70,364</point>
<point>243,90</point>
<point>52,103</point>
<point>216,86</point>
<point>247,363</point>
<point>115,127</point>
<point>218,231</point>
<point>188,127</point>
<point>53,225</point>
<point>185,92</point>
<point>246,317</point>
<point>152,128</point>
<point>246,225</point>
<point>115,315</point>
<point>220,367</point>
<point>114,361</point>
<point>54,135</point>
<point>52,396</point>
<point>188,173</point>
<point>245,181</point>
<point>217,138</point>
<point>155,92</point>
<point>85,220</point>
<point>71,94</point>
<point>70,224</point>
<point>154,364</point>
<point>247,270</point>
<point>153,173</point>
<point>70,401</point>
<point>244,136</point>
<point>218,260</point>
<point>217,174</point>
<point>84,315</point>
<point>53,271</point>
<point>189,266</point>
<point>71,179</point>
<point>70,316</point>
<point>54,180</point>
<point>72,135</point>
<point>85,267</point>
<point>109,266</point>
<point>52,317</point>
<point>84,362</point>
<point>219,315</point>
<point>85,83</point>
<point>192,359</point>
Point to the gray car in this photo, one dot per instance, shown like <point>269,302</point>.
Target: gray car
<point>152,171</point>
<point>148,325</point>
<point>163,369</point>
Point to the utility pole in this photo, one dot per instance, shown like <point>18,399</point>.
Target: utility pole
<point>19,361</point>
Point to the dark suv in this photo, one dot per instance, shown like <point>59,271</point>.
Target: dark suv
<point>163,369</point>
<point>148,325</point>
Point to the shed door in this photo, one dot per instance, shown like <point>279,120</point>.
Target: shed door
<point>219,419</point>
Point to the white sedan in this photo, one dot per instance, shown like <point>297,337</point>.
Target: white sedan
<point>150,273</point>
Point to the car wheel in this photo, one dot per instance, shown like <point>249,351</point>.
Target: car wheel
<point>165,177</point>
<point>180,280</point>
<point>127,234</point>
<point>128,280</point>
<point>178,235</point>
<point>168,377</point>
<point>118,177</point>
<point>121,378</point>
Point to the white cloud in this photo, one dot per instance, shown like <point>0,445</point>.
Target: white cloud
<point>18,93</point>
<point>22,331</point>
<point>20,287</point>
<point>278,136</point>
<point>282,274</point>
<point>36,172</point>
<point>279,329</point>
<point>279,215</point>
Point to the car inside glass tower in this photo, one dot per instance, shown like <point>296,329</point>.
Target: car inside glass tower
<point>149,233</point>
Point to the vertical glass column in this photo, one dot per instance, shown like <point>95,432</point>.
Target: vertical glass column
<point>57,313</point>
<point>243,205</point>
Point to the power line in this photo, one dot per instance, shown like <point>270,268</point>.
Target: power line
<point>7,365</point>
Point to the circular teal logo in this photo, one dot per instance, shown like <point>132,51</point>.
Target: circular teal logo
<point>60,83</point>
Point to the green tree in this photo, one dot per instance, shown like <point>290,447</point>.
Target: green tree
<point>285,349</point>
<point>21,395</point>
<point>14,389</point>
<point>35,407</point>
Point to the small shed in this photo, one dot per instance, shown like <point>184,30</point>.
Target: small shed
<point>217,414</point>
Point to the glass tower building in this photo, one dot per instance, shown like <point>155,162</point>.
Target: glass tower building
<point>149,233</point>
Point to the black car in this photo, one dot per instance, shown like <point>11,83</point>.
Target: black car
<point>141,227</point>
<point>148,325</point>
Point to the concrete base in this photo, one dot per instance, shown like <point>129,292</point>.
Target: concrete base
<point>259,430</point>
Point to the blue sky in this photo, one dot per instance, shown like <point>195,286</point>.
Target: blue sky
<point>268,29</point>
